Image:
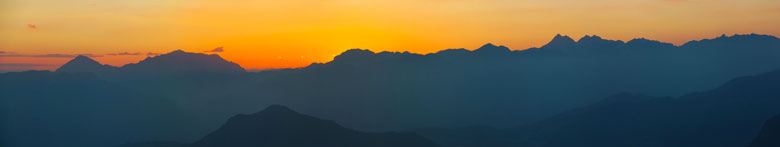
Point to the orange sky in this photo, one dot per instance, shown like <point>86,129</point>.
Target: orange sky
<point>278,34</point>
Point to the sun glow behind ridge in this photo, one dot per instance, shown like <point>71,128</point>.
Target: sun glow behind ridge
<point>283,34</point>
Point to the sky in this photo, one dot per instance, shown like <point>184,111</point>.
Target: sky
<point>267,34</point>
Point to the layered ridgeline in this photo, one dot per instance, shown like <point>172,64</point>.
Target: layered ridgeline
<point>365,90</point>
<point>280,126</point>
<point>727,116</point>
<point>496,86</point>
<point>171,63</point>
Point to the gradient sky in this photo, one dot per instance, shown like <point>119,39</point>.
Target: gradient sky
<point>43,34</point>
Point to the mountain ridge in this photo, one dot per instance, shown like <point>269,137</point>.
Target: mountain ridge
<point>83,63</point>
<point>279,125</point>
<point>558,42</point>
<point>174,62</point>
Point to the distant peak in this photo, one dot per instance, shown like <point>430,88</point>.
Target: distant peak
<point>354,55</point>
<point>358,51</point>
<point>560,41</point>
<point>598,42</point>
<point>177,52</point>
<point>589,38</point>
<point>277,109</point>
<point>490,48</point>
<point>562,38</point>
<point>179,61</point>
<point>488,45</point>
<point>644,42</point>
<point>82,57</point>
<point>81,63</point>
<point>752,37</point>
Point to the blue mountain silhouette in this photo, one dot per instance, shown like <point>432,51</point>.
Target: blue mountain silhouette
<point>386,91</point>
<point>282,127</point>
<point>769,134</point>
<point>84,64</point>
<point>730,115</point>
<point>174,62</point>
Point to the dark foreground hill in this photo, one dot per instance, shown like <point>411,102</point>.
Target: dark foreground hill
<point>278,126</point>
<point>770,134</point>
<point>728,116</point>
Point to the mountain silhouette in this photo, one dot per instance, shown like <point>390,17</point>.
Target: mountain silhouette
<point>180,61</point>
<point>730,115</point>
<point>524,82</point>
<point>280,126</point>
<point>165,98</point>
<point>770,134</point>
<point>175,62</point>
<point>560,41</point>
<point>83,64</point>
<point>492,50</point>
<point>596,41</point>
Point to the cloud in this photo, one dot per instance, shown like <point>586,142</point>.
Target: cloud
<point>152,54</point>
<point>48,55</point>
<point>218,49</point>
<point>133,54</point>
<point>32,26</point>
<point>23,64</point>
<point>13,54</point>
<point>125,54</point>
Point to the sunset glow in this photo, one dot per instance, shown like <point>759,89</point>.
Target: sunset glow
<point>285,34</point>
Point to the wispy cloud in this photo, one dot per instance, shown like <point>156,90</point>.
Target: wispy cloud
<point>23,65</point>
<point>4,52</point>
<point>32,26</point>
<point>125,54</point>
<point>48,55</point>
<point>218,49</point>
<point>152,54</point>
<point>133,54</point>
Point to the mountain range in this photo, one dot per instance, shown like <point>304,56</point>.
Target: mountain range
<point>503,92</point>
<point>166,64</point>
<point>727,116</point>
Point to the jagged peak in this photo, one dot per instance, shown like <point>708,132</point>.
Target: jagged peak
<point>744,37</point>
<point>645,41</point>
<point>589,38</point>
<point>560,41</point>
